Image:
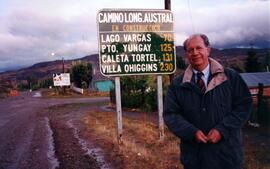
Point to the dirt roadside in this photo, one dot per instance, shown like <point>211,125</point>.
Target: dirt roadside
<point>71,150</point>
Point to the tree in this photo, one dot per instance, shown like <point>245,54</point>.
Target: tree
<point>180,63</point>
<point>267,61</point>
<point>23,86</point>
<point>252,63</point>
<point>82,74</point>
<point>45,83</point>
<point>136,92</point>
<point>32,82</point>
<point>237,65</point>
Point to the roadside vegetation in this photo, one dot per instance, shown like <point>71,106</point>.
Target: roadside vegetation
<point>139,92</point>
<point>4,89</point>
<point>55,93</point>
<point>140,148</point>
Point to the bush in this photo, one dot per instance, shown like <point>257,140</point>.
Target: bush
<point>23,86</point>
<point>151,100</point>
<point>132,100</point>
<point>264,112</point>
<point>112,95</point>
<point>136,93</point>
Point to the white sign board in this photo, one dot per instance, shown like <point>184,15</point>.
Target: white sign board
<point>61,80</point>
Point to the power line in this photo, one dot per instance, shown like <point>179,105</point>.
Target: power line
<point>190,15</point>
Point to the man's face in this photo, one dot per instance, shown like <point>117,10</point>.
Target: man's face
<point>197,53</point>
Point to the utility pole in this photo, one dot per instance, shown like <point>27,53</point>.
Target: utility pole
<point>63,65</point>
<point>63,71</point>
<point>160,92</point>
<point>168,4</point>
<point>168,7</point>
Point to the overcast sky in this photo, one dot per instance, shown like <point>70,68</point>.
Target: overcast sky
<point>30,30</point>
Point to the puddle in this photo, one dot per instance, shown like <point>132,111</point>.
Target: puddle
<point>90,149</point>
<point>51,152</point>
<point>37,94</point>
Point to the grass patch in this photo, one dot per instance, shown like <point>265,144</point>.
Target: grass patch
<point>74,106</point>
<point>53,93</point>
<point>141,147</point>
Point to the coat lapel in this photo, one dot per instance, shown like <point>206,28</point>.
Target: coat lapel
<point>217,75</point>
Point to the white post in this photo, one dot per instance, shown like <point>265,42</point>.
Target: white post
<point>160,107</point>
<point>118,109</point>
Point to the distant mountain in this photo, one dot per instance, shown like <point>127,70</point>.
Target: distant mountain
<point>229,57</point>
<point>46,69</point>
<point>232,52</point>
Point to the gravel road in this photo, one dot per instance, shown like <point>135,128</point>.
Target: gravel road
<point>33,134</point>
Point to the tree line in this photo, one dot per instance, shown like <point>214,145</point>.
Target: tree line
<point>81,75</point>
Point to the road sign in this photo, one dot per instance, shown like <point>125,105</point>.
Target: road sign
<point>136,42</point>
<point>62,79</point>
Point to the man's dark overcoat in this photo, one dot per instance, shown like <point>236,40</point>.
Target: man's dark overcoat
<point>225,106</point>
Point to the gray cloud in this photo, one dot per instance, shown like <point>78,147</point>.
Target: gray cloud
<point>31,37</point>
<point>228,25</point>
<point>28,23</point>
<point>30,33</point>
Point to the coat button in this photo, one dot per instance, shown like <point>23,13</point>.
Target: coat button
<point>204,109</point>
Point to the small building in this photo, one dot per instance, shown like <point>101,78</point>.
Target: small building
<point>104,85</point>
<point>253,80</point>
<point>100,82</point>
<point>261,101</point>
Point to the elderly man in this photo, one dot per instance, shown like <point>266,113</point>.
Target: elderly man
<point>206,108</point>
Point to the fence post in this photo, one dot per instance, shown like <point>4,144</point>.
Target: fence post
<point>260,104</point>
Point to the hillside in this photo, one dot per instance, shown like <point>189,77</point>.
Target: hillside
<point>230,57</point>
<point>46,69</point>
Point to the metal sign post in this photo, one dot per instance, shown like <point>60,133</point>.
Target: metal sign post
<point>118,110</point>
<point>160,108</point>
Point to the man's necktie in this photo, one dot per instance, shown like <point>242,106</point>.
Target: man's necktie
<point>200,82</point>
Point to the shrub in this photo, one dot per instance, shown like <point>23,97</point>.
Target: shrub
<point>136,92</point>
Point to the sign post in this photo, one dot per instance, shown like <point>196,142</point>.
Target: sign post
<point>118,110</point>
<point>160,108</point>
<point>135,42</point>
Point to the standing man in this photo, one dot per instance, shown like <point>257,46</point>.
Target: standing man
<point>206,108</point>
